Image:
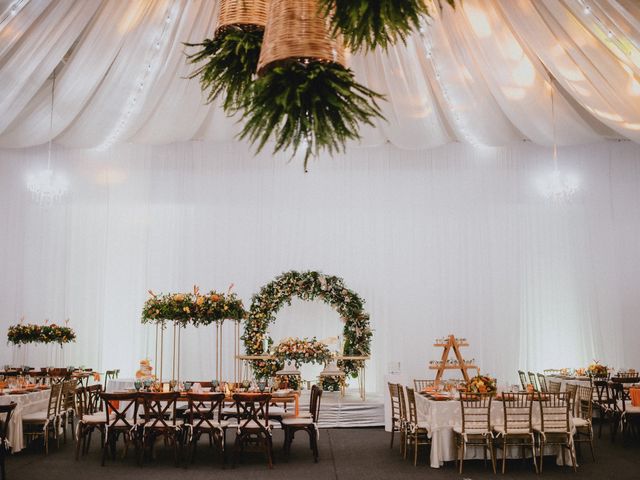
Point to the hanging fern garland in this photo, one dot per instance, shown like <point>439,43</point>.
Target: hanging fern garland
<point>231,60</point>
<point>309,104</point>
<point>367,24</point>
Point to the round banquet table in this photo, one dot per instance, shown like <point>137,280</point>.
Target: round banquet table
<point>442,416</point>
<point>25,403</point>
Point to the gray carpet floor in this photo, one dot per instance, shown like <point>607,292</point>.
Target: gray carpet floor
<point>344,454</point>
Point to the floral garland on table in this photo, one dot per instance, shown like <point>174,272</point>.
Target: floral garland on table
<point>307,286</point>
<point>30,333</point>
<point>481,384</point>
<point>301,351</point>
<point>193,308</point>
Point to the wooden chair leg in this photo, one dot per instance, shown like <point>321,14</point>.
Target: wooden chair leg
<point>79,442</point>
<point>393,431</point>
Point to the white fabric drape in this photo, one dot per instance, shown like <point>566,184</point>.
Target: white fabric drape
<point>477,75</point>
<point>452,240</point>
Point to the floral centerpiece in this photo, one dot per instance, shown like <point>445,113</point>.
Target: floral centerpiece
<point>481,384</point>
<point>193,308</point>
<point>302,350</point>
<point>332,383</point>
<point>31,333</point>
<point>597,370</point>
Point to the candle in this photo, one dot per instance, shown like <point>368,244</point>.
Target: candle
<point>165,387</point>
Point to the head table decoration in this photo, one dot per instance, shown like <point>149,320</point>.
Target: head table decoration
<point>481,384</point>
<point>597,370</point>
<point>310,285</point>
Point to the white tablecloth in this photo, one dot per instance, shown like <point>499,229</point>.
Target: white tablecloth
<point>120,384</point>
<point>444,415</point>
<point>26,403</point>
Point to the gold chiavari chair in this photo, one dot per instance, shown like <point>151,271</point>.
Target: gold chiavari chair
<point>523,380</point>
<point>404,420</point>
<point>476,426</point>
<point>421,385</point>
<point>554,387</point>
<point>583,421</point>
<point>555,425</point>
<point>518,427</point>
<point>396,423</point>
<point>417,432</point>
<point>44,423</point>
<point>542,382</point>
<point>68,407</point>
<point>533,380</point>
<point>572,389</point>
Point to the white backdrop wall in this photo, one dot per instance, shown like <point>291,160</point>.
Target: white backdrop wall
<point>451,240</point>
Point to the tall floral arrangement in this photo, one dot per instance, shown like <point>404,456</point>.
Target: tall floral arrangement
<point>30,333</point>
<point>194,308</point>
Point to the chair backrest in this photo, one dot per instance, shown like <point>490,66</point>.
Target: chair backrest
<point>121,409</point>
<point>68,401</point>
<point>252,410</point>
<point>554,387</point>
<point>533,381</point>
<point>94,402</point>
<point>204,409</point>
<point>517,412</point>
<point>314,403</point>
<point>82,407</point>
<point>626,378</point>
<point>602,391</point>
<point>402,401</point>
<point>554,412</point>
<point>5,411</point>
<point>159,410</point>
<point>584,402</point>
<point>542,381</point>
<point>53,407</point>
<point>395,401</point>
<point>421,385</point>
<point>572,388</point>
<point>616,391</point>
<point>411,404</point>
<point>523,379</point>
<point>476,412</point>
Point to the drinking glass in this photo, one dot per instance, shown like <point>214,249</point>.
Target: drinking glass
<point>187,386</point>
<point>214,385</point>
<point>137,385</point>
<point>262,385</point>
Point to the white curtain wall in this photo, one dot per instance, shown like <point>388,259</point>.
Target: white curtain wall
<point>451,240</point>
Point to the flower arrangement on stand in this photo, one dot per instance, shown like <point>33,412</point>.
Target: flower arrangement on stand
<point>332,383</point>
<point>30,333</point>
<point>192,308</point>
<point>597,370</point>
<point>481,384</point>
<point>301,351</point>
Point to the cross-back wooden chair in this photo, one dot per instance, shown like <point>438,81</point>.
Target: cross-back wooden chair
<point>160,421</point>
<point>542,382</point>
<point>417,432</point>
<point>517,428</point>
<point>203,417</point>
<point>604,404</point>
<point>45,423</point>
<point>121,418</point>
<point>421,385</point>
<point>523,380</point>
<point>309,424</point>
<point>87,423</point>
<point>555,425</point>
<point>583,421</point>
<point>396,423</point>
<point>476,426</point>
<point>94,403</point>
<point>5,417</point>
<point>253,424</point>
<point>533,380</point>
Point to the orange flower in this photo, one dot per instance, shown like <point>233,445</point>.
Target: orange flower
<point>215,298</point>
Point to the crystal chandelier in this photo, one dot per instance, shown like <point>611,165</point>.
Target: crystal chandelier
<point>45,186</point>
<point>558,187</point>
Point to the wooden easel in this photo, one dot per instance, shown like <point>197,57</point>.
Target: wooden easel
<point>450,344</point>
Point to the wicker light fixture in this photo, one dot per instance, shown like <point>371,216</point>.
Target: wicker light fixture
<point>296,32</point>
<point>305,96</point>
<point>232,55</point>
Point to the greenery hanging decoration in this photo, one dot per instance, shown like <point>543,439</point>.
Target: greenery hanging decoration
<point>231,56</point>
<point>367,24</point>
<point>305,97</point>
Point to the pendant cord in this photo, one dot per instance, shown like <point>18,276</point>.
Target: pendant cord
<point>53,89</point>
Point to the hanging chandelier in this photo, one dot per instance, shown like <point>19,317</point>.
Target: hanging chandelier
<point>45,186</point>
<point>558,187</point>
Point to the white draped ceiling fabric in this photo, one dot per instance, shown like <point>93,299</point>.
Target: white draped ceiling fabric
<point>438,238</point>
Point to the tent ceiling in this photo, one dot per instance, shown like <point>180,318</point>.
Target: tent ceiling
<point>477,75</point>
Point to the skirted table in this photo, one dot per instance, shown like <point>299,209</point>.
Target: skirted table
<point>25,403</point>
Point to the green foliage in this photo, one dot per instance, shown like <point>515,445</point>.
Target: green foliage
<point>30,333</point>
<point>367,24</point>
<point>231,61</point>
<point>310,104</point>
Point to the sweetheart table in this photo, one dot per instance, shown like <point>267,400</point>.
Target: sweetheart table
<point>442,416</point>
